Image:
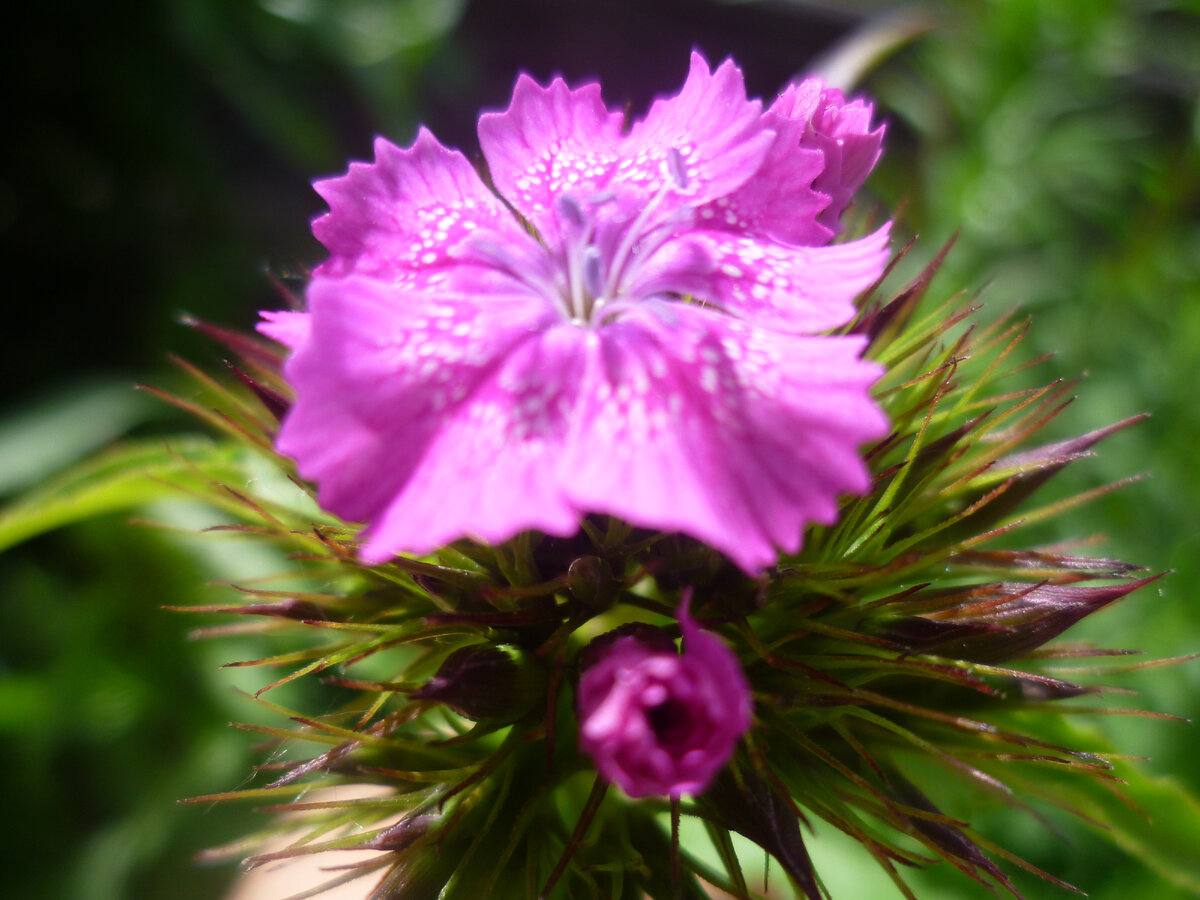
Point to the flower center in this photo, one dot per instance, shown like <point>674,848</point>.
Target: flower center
<point>596,284</point>
<point>671,722</point>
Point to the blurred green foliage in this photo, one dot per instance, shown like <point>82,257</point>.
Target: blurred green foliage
<point>164,149</point>
<point>1063,140</point>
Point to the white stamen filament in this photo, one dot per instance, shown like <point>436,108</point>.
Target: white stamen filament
<point>593,273</point>
<point>677,168</point>
<point>576,246</point>
<point>591,286</point>
<point>678,179</point>
<point>499,257</point>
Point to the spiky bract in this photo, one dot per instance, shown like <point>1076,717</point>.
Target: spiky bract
<point>909,637</point>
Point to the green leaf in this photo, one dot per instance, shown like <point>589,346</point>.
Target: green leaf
<point>65,426</point>
<point>120,479</point>
<point>1155,819</point>
<point>1163,837</point>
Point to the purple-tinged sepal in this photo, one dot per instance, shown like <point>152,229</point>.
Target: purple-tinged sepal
<point>997,622</point>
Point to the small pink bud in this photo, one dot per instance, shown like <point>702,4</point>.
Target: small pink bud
<point>656,722</point>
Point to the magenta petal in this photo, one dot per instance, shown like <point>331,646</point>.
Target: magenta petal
<point>714,132</point>
<point>739,436</point>
<point>289,328</point>
<point>380,374</point>
<point>549,141</point>
<point>406,211</point>
<point>707,651</point>
<point>841,132</point>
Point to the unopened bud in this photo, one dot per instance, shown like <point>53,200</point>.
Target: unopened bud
<point>590,581</point>
<point>487,682</point>
<point>657,722</point>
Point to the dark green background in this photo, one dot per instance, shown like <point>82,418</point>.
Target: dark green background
<point>157,159</point>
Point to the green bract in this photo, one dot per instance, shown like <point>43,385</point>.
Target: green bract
<point>908,656</point>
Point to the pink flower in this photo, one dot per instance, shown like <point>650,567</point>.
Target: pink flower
<point>841,132</point>
<point>655,722</point>
<point>643,342</point>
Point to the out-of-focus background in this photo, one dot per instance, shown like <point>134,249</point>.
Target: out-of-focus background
<point>157,159</point>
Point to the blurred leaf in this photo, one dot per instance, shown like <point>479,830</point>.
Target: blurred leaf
<point>23,702</point>
<point>122,478</point>
<point>845,65</point>
<point>1162,834</point>
<point>65,426</point>
<point>1167,842</point>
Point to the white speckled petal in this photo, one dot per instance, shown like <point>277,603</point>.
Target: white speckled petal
<point>715,135</point>
<point>406,211</point>
<point>488,471</point>
<point>549,141</point>
<point>739,436</point>
<point>778,202</point>
<point>803,290</point>
<point>383,373</point>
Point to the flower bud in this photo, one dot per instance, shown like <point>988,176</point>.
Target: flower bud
<point>993,623</point>
<point>487,682</point>
<point>658,723</point>
<point>590,581</point>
